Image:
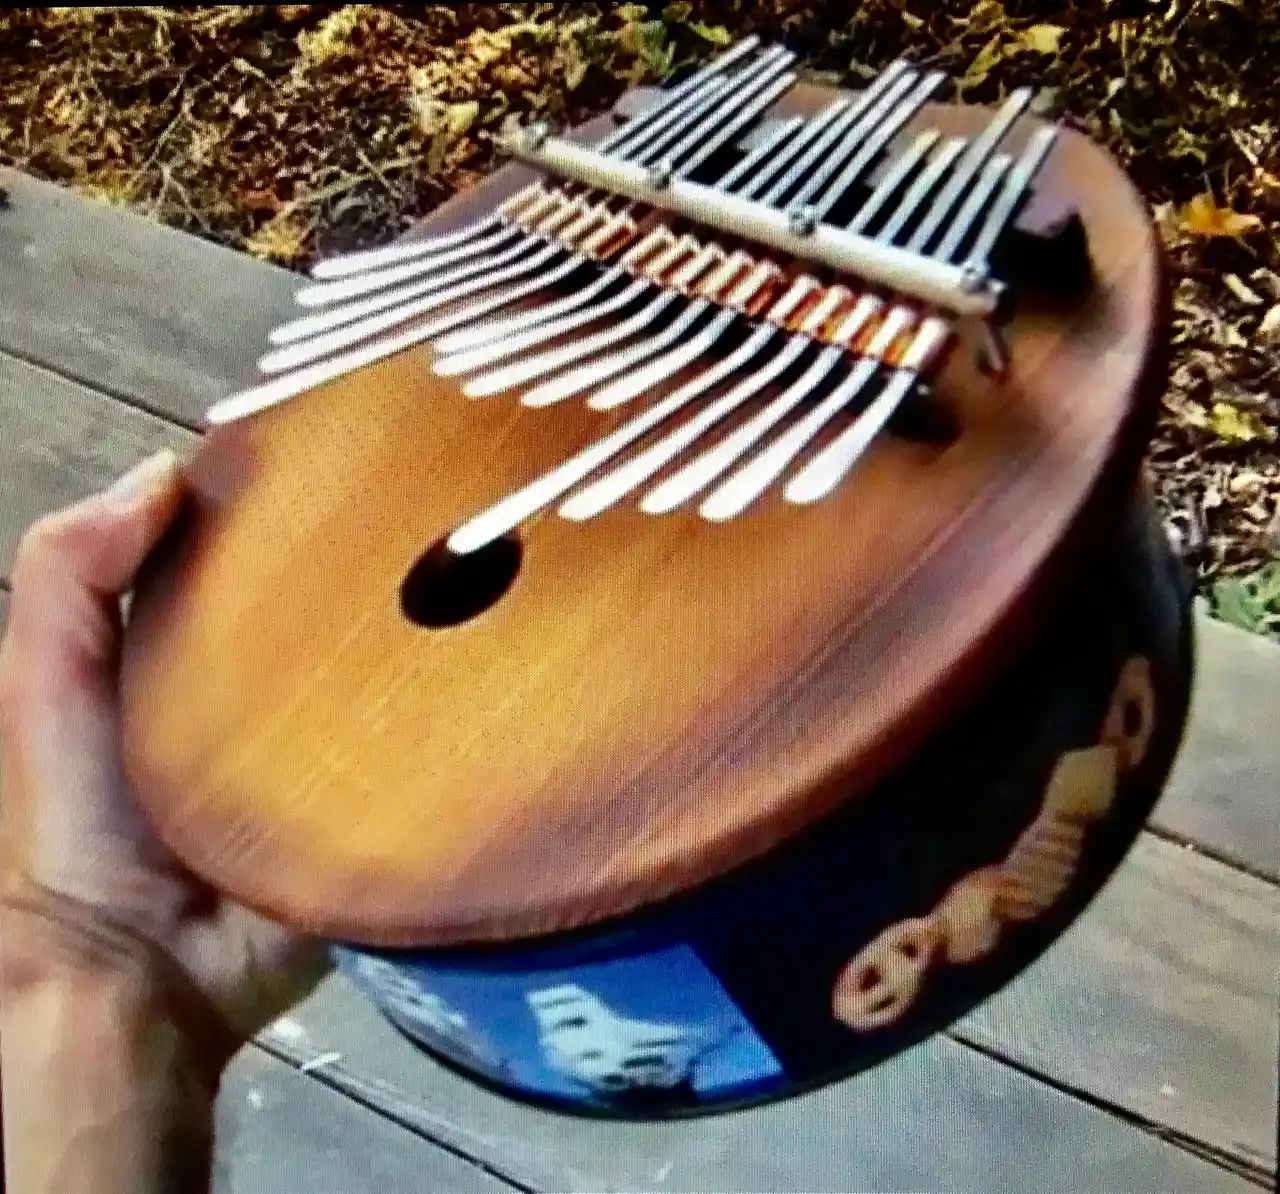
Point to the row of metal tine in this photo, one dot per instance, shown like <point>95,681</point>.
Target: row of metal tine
<point>649,306</point>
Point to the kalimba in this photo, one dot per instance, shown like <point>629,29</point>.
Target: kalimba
<point>688,622</point>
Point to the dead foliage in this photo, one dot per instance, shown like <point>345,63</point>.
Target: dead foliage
<point>292,130</point>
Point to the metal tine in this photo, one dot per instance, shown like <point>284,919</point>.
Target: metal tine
<point>853,124</point>
<point>975,158</point>
<point>974,206</point>
<point>732,497</point>
<point>320,341</point>
<point>711,464</point>
<point>505,328</point>
<point>901,170</point>
<point>750,113</point>
<point>726,99</point>
<point>614,486</point>
<point>830,466</point>
<point>921,189</point>
<point>576,313</point>
<point>617,143</point>
<point>785,132</point>
<point>313,336</point>
<point>746,85</point>
<point>1023,175</point>
<point>818,126</point>
<point>291,384</point>
<point>526,369</point>
<point>681,486</point>
<point>512,510</point>
<point>555,389</point>
<point>875,144</point>
<point>637,382</point>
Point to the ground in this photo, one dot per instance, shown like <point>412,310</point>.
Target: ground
<point>296,130</point>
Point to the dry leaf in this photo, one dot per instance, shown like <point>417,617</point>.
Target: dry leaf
<point>1203,217</point>
<point>1041,39</point>
<point>1241,291</point>
<point>1269,329</point>
<point>1236,426</point>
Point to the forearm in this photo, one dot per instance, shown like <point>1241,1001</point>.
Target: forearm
<point>109,1075</point>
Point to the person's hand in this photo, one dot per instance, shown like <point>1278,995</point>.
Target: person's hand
<point>69,830</point>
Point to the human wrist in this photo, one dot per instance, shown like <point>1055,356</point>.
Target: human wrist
<point>111,1060</point>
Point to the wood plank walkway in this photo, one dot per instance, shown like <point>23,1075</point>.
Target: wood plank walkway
<point>1139,1054</point>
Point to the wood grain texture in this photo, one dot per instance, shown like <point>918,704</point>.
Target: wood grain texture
<point>115,299</point>
<point>656,700</point>
<point>1224,792</point>
<point>1164,998</point>
<point>283,1132</point>
<point>939,1117</point>
<point>60,441</point>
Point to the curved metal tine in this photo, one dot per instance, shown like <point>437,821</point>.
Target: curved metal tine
<point>290,356</point>
<point>703,301</point>
<point>556,389</point>
<point>706,467</point>
<point>313,335</point>
<point>517,254</point>
<point>319,294</point>
<point>529,368</point>
<point>695,476</point>
<point>860,119</point>
<point>470,360</point>
<point>616,143</point>
<point>875,142</point>
<point>665,367</point>
<point>1020,179</point>
<point>727,99</point>
<point>741,489</point>
<point>969,166</point>
<point>504,329</point>
<point>289,385</point>
<point>815,128</point>
<point>888,186</point>
<point>476,334</point>
<point>921,189</point>
<point>831,465</point>
<point>578,314</point>
<point>614,486</point>
<point>512,510</point>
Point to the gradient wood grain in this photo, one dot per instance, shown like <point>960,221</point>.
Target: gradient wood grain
<point>656,700</point>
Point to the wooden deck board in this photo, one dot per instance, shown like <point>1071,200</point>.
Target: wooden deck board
<point>1164,998</point>
<point>109,297</point>
<point>940,1117</point>
<point>1139,997</point>
<point>282,1132</point>
<point>59,441</point>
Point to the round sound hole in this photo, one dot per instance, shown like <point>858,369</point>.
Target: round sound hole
<point>447,589</point>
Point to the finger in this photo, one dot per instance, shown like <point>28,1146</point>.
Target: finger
<point>72,566</point>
